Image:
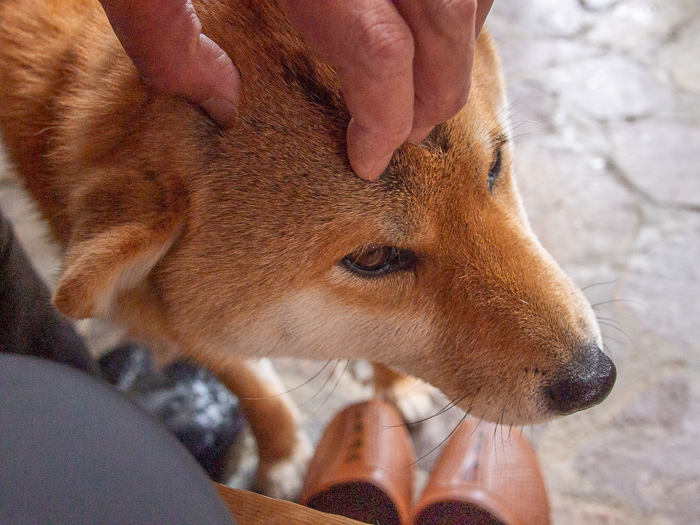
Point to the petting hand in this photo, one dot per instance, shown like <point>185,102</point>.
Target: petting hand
<point>164,40</point>
<point>404,66</point>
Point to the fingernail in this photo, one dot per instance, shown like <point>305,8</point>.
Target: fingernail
<point>370,172</point>
<point>221,110</point>
<point>360,148</point>
<point>222,106</point>
<point>376,171</point>
<point>418,135</point>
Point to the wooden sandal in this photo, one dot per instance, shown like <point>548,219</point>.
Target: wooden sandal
<point>364,466</point>
<point>486,476</point>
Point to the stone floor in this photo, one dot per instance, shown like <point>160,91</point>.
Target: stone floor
<point>606,115</point>
<point>606,118</point>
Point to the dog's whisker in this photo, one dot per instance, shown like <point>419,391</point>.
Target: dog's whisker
<point>347,364</point>
<point>307,381</point>
<point>439,445</point>
<point>464,417</point>
<point>446,408</point>
<point>607,337</point>
<point>611,301</point>
<point>487,124</point>
<point>503,440</point>
<point>598,284</point>
<point>517,137</point>
<point>510,128</point>
<point>272,349</point>
<point>498,426</point>
<point>44,130</point>
<point>606,348</point>
<point>522,133</point>
<point>291,389</point>
<point>533,189</point>
<point>620,330</point>
<point>608,319</point>
<point>471,404</point>
<point>452,403</point>
<point>513,114</point>
<point>335,366</point>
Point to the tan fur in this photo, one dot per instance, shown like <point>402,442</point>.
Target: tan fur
<point>227,242</point>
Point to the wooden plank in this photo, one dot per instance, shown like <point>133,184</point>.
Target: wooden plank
<point>249,508</point>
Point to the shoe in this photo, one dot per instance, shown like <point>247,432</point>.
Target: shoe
<point>485,476</point>
<point>189,401</point>
<point>364,466</point>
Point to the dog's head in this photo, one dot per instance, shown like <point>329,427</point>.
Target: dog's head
<point>260,240</point>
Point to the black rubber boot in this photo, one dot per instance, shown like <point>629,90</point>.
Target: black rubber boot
<point>187,400</point>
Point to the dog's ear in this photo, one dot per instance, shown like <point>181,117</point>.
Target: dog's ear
<point>124,230</point>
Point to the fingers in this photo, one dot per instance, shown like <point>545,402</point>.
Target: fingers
<point>163,38</point>
<point>482,10</point>
<point>404,66</point>
<point>444,33</point>
<point>372,48</point>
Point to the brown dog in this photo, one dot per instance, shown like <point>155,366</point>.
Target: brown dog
<point>259,240</point>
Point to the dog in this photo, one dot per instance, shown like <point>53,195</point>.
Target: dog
<point>258,240</point>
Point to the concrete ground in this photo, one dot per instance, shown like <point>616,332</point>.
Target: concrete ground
<point>606,118</point>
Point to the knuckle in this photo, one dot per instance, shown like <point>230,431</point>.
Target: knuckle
<point>440,108</point>
<point>402,130</point>
<point>450,108</point>
<point>456,103</point>
<point>457,10</point>
<point>386,44</point>
<point>391,133</point>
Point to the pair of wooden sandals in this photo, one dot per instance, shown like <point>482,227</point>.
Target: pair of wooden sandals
<point>364,469</point>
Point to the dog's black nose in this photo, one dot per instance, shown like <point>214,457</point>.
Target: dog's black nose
<point>584,384</point>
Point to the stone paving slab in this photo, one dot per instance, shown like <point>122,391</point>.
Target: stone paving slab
<point>660,158</point>
<point>610,87</point>
<point>681,58</point>
<point>641,27</point>
<point>561,191</point>
<point>662,286</point>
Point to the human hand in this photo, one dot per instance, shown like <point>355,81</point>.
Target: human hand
<point>404,66</point>
<point>164,40</point>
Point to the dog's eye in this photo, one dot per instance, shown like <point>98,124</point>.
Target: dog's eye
<point>494,170</point>
<point>377,261</point>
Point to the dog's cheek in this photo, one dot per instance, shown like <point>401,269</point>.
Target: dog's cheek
<point>315,324</point>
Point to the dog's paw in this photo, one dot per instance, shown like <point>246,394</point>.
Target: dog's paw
<point>415,400</point>
<point>283,479</point>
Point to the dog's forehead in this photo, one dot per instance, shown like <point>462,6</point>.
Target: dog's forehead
<point>316,83</point>
<point>291,140</point>
<point>301,162</point>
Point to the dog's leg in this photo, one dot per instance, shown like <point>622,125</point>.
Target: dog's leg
<point>415,399</point>
<point>283,449</point>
